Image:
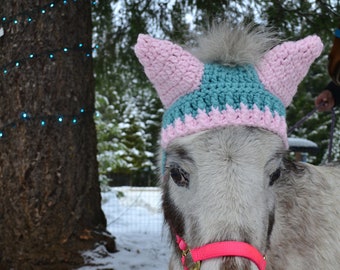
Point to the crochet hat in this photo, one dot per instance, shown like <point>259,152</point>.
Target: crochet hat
<point>215,93</point>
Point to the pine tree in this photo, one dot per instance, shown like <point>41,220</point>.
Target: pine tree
<point>125,145</point>
<point>50,198</point>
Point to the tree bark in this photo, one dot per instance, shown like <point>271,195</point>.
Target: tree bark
<point>49,190</point>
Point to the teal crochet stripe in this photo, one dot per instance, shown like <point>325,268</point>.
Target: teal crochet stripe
<point>221,86</point>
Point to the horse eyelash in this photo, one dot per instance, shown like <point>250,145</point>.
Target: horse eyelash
<point>184,181</point>
<point>274,176</point>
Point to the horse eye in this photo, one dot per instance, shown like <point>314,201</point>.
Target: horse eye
<point>274,176</point>
<point>179,176</point>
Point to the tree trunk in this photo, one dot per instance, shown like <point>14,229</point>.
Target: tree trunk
<point>49,191</point>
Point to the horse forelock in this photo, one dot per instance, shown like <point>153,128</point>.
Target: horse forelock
<point>232,45</point>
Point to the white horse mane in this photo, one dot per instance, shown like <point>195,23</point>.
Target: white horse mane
<point>234,45</point>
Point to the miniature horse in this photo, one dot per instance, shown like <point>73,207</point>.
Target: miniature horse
<point>231,198</point>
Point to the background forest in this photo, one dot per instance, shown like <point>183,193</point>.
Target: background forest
<point>129,113</point>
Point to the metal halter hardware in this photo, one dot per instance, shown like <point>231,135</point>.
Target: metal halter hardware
<point>220,249</point>
<point>196,266</point>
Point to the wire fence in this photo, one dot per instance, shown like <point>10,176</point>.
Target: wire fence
<point>135,209</point>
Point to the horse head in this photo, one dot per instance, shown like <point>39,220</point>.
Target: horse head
<point>223,139</point>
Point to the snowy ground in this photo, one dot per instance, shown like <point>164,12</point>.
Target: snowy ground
<point>134,218</point>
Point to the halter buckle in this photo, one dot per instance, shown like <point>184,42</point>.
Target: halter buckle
<point>195,266</point>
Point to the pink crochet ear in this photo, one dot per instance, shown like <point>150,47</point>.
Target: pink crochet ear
<point>173,71</point>
<point>284,67</point>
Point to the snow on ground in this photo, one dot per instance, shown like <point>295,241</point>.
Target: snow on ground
<point>134,217</point>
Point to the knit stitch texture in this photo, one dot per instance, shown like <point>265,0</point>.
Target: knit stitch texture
<point>201,96</point>
<point>180,75</point>
<point>227,96</point>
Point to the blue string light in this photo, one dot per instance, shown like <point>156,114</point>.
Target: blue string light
<point>28,15</point>
<point>45,120</point>
<point>24,115</point>
<point>87,50</point>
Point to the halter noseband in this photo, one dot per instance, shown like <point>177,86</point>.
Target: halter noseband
<point>220,249</point>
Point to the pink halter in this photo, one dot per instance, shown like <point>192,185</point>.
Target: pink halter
<point>220,249</point>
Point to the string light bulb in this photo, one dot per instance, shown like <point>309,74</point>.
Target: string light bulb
<point>24,115</point>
